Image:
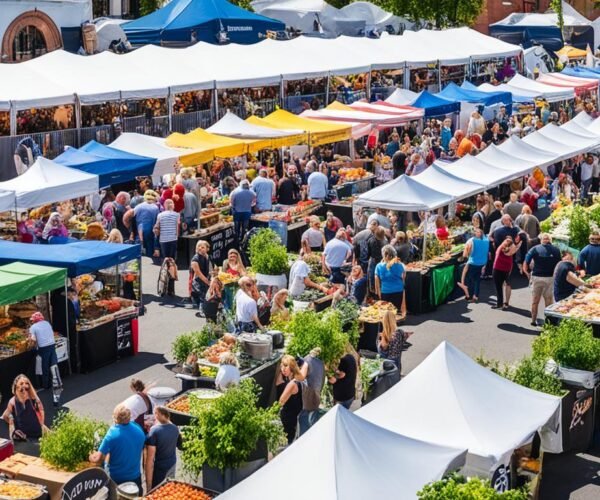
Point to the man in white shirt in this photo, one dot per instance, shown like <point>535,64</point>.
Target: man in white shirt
<point>318,185</point>
<point>587,171</point>
<point>42,333</point>
<point>246,309</point>
<point>335,255</point>
<point>299,278</point>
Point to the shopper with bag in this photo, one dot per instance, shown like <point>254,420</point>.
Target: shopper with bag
<point>42,334</point>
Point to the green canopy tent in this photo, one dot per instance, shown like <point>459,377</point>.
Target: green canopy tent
<point>19,281</point>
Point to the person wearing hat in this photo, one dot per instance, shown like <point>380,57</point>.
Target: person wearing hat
<point>146,214</point>
<point>42,334</point>
<point>589,257</point>
<point>264,188</point>
<point>242,200</point>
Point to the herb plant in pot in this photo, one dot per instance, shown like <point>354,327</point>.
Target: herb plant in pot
<point>229,439</point>
<point>269,258</point>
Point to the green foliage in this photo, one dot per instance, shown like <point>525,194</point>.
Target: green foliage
<point>224,433</point>
<point>556,6</point>
<point>310,329</point>
<point>267,254</point>
<point>71,440</point>
<point>579,227</point>
<point>457,487</point>
<point>187,343</point>
<point>244,4</point>
<point>443,13</point>
<point>149,6</point>
<point>368,369</point>
<point>571,344</point>
<point>349,313</point>
<point>546,225</point>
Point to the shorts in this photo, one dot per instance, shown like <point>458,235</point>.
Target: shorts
<point>542,286</point>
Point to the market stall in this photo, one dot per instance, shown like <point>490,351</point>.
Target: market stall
<point>220,235</point>
<point>107,277</point>
<point>19,285</point>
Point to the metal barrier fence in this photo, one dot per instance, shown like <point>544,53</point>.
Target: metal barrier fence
<point>157,125</point>
<point>186,122</point>
<point>381,93</point>
<point>260,107</point>
<point>348,96</point>
<point>103,134</point>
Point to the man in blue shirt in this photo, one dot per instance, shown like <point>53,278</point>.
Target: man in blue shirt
<point>242,200</point>
<point>124,441</point>
<point>145,217</point>
<point>589,258</point>
<point>265,191</point>
<point>336,253</point>
<point>317,185</point>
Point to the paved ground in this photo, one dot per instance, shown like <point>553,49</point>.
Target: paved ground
<point>474,328</point>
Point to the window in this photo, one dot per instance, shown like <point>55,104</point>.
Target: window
<point>29,43</point>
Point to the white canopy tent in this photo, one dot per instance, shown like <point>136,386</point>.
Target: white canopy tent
<point>402,97</point>
<point>548,92</point>
<point>7,201</point>
<point>520,149</point>
<point>444,180</point>
<point>375,17</point>
<point>232,125</point>
<point>48,182</point>
<point>408,112</point>
<point>472,169</point>
<point>560,142</point>
<point>503,87</point>
<point>356,460</point>
<point>451,400</point>
<point>379,120</point>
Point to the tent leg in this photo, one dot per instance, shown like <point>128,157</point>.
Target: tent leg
<point>282,94</point>
<point>368,85</point>
<point>68,329</point>
<point>13,119</point>
<point>425,224</point>
<point>78,120</point>
<point>439,68</point>
<point>215,104</point>
<point>141,296</point>
<point>327,91</point>
<point>406,77</point>
<point>170,104</point>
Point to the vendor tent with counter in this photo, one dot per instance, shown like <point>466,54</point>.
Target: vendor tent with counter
<point>47,182</point>
<point>435,105</point>
<point>20,281</point>
<point>486,413</point>
<point>112,166</point>
<point>356,460</point>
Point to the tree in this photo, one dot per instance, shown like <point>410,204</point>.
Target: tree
<point>149,6</point>
<point>556,6</point>
<point>442,13</point>
<point>244,4</point>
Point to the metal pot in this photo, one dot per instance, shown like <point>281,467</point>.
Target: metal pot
<point>277,337</point>
<point>257,345</point>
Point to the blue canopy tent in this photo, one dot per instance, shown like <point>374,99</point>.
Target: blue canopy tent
<point>453,92</point>
<point>112,166</point>
<point>199,20</point>
<point>515,97</point>
<point>435,105</point>
<point>78,258</point>
<point>582,72</point>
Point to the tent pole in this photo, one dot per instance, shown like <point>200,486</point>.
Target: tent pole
<point>439,68</point>
<point>77,106</point>
<point>68,329</point>
<point>327,92</point>
<point>406,77</point>
<point>282,93</point>
<point>13,118</point>
<point>141,296</point>
<point>170,104</point>
<point>368,85</point>
<point>425,224</point>
<point>215,103</point>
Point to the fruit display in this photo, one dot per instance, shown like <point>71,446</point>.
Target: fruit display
<point>213,353</point>
<point>348,174</point>
<point>227,278</point>
<point>580,305</point>
<point>288,213</point>
<point>181,404</point>
<point>173,490</point>
<point>374,313</point>
<point>20,490</point>
<point>14,323</point>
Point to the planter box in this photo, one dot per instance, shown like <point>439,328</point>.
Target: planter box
<point>579,378</point>
<point>577,418</point>
<point>221,480</point>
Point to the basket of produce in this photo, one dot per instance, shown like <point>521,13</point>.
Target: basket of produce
<point>209,219</point>
<point>175,490</point>
<point>179,408</point>
<point>375,312</point>
<point>20,490</point>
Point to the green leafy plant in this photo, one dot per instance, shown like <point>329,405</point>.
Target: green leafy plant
<point>571,344</point>
<point>71,440</point>
<point>267,254</point>
<point>310,329</point>
<point>457,487</point>
<point>187,343</point>
<point>226,432</point>
<point>368,369</point>
<point>579,227</point>
<point>349,313</point>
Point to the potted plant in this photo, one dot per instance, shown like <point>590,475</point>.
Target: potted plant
<point>192,342</point>
<point>229,438</point>
<point>456,486</point>
<point>72,438</point>
<point>269,258</point>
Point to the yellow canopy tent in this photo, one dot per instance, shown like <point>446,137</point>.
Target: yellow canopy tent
<point>571,52</point>
<point>207,146</point>
<point>318,132</point>
<point>338,106</point>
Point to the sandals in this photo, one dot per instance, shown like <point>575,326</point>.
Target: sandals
<point>505,306</point>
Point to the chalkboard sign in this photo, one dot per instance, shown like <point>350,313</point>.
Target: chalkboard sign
<point>124,334</point>
<point>88,483</point>
<point>220,243</point>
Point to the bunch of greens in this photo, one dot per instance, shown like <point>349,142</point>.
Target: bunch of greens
<point>571,344</point>
<point>267,254</point>
<point>349,313</point>
<point>310,329</point>
<point>579,227</point>
<point>193,342</point>
<point>369,368</point>
<point>226,432</point>
<point>310,295</point>
<point>457,487</point>
<point>71,440</point>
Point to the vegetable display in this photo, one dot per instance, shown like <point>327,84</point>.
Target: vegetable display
<point>226,432</point>
<point>193,342</point>
<point>68,445</point>
<point>174,490</point>
<point>267,254</point>
<point>457,487</point>
<point>19,490</point>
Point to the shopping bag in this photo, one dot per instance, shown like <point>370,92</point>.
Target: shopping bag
<point>38,365</point>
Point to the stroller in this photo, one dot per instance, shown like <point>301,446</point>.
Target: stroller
<point>167,277</point>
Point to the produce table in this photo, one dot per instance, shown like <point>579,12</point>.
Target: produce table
<point>429,287</point>
<point>292,232</point>
<point>350,188</point>
<point>342,211</point>
<point>221,238</point>
<point>554,317</point>
<point>11,366</point>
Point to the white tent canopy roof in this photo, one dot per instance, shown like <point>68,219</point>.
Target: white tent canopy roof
<point>503,160</point>
<point>518,148</point>
<point>7,201</point>
<point>232,125</point>
<point>356,460</point>
<point>373,15</point>
<point>560,142</point>
<point>444,180</point>
<point>548,92</point>
<point>503,87</point>
<point>57,77</point>
<point>402,97</point>
<point>48,182</point>
<point>451,400</point>
<point>472,169</point>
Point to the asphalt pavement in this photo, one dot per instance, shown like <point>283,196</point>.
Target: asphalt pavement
<point>474,328</point>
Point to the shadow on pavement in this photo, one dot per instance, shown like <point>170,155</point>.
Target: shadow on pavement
<point>509,327</point>
<point>564,475</point>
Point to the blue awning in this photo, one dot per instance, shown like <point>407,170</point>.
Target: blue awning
<point>200,20</point>
<point>78,258</point>
<point>435,105</point>
<point>112,166</point>
<point>453,92</point>
<point>582,72</point>
<point>515,97</point>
